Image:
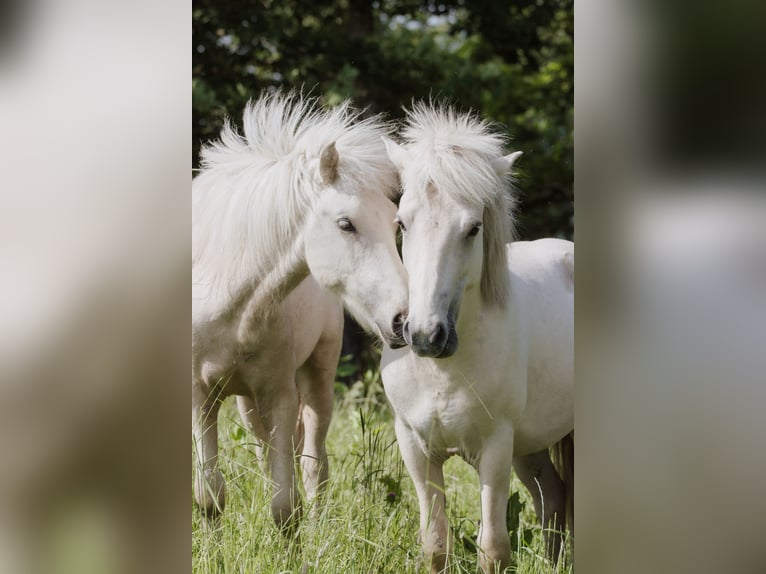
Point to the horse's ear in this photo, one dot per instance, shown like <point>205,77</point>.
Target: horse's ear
<point>328,163</point>
<point>396,153</point>
<point>503,165</point>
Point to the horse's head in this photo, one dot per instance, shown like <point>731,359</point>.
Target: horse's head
<point>350,242</point>
<point>452,241</point>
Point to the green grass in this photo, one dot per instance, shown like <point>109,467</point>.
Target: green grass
<point>368,521</point>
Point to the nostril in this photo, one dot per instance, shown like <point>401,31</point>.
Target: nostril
<point>438,335</point>
<point>397,323</point>
<point>406,330</point>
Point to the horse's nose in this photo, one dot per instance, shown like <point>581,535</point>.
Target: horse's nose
<point>397,328</point>
<point>398,323</point>
<point>427,343</point>
<point>438,337</point>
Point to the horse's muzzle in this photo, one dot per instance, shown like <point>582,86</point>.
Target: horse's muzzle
<point>439,343</point>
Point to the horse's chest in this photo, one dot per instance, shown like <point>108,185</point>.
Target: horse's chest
<point>449,421</point>
<point>444,404</point>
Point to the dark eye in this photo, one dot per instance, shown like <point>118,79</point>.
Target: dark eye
<point>474,230</point>
<point>346,225</point>
<point>402,228</point>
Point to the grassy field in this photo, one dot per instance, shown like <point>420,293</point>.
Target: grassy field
<point>368,521</point>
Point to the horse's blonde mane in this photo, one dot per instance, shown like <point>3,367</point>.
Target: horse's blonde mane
<point>254,191</point>
<point>453,152</point>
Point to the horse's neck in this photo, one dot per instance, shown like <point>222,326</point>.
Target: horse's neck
<point>265,296</point>
<point>248,302</point>
<point>477,315</point>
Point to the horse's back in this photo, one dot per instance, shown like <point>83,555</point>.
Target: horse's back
<point>544,260</point>
<point>542,288</point>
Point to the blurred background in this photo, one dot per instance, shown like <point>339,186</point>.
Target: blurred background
<point>510,62</point>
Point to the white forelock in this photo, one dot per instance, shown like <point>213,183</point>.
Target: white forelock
<point>453,151</point>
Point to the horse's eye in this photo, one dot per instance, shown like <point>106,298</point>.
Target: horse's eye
<point>346,225</point>
<point>401,225</point>
<point>474,230</point>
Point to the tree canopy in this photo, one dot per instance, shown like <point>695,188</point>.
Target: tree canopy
<point>510,62</point>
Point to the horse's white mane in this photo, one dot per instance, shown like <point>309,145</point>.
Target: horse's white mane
<point>454,152</point>
<point>255,190</point>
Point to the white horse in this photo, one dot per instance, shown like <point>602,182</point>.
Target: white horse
<point>287,219</point>
<point>504,394</point>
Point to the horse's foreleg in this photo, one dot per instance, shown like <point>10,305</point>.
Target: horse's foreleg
<point>495,477</point>
<point>248,412</point>
<point>428,478</point>
<point>548,492</point>
<point>316,387</point>
<point>280,412</point>
<point>209,487</point>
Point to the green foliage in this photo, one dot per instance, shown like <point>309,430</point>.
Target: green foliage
<point>379,470</point>
<point>366,387</point>
<point>512,63</point>
<point>346,367</point>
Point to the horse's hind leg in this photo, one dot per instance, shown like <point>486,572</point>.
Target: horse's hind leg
<point>316,381</point>
<point>564,452</point>
<point>209,487</point>
<point>548,492</point>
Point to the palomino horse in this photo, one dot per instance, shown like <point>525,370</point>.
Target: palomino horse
<point>298,204</point>
<point>504,394</point>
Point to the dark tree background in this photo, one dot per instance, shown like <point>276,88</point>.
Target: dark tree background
<point>510,62</point>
